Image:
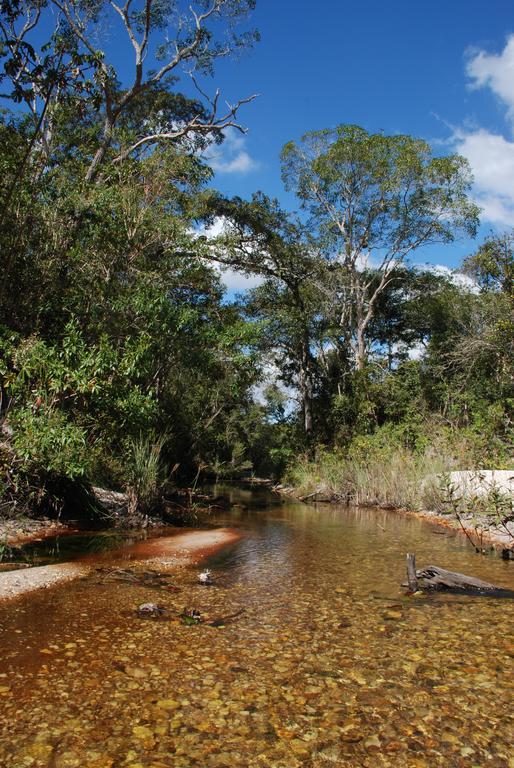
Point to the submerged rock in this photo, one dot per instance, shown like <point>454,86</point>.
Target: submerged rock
<point>149,609</point>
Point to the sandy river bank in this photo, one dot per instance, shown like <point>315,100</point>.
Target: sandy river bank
<point>166,552</point>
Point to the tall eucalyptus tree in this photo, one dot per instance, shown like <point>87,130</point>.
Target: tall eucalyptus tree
<point>372,201</point>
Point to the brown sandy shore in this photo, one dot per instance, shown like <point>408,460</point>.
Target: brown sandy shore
<point>166,552</point>
<point>495,537</point>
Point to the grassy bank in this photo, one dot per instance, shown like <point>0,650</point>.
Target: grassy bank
<point>378,470</point>
<point>396,479</point>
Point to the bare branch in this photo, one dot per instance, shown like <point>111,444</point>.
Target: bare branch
<point>123,13</point>
<point>213,125</point>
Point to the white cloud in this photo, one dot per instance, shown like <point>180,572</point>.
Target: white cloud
<point>375,260</point>
<point>457,278</point>
<point>241,163</point>
<point>491,155</point>
<point>495,71</point>
<point>231,156</point>
<point>492,158</point>
<point>417,351</point>
<point>271,377</point>
<point>234,281</point>
<point>215,229</point>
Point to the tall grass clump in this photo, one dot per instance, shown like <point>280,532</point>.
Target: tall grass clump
<point>399,480</point>
<point>379,470</point>
<point>145,473</point>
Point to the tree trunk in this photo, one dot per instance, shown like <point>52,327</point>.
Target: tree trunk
<point>412,578</point>
<point>307,412</point>
<point>96,162</point>
<point>306,390</point>
<point>389,356</point>
<point>306,398</point>
<point>360,351</point>
<point>360,330</point>
<point>101,151</point>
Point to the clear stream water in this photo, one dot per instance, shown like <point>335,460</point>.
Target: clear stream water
<point>329,665</point>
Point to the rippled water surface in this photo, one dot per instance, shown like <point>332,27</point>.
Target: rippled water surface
<point>329,665</point>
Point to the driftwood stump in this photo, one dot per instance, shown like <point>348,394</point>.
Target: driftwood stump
<point>434,578</point>
<point>411,573</point>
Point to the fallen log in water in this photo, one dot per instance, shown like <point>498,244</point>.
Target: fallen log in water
<point>434,578</point>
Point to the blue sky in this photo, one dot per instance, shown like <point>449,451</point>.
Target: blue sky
<point>443,71</point>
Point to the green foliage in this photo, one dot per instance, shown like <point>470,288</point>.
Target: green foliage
<point>48,442</point>
<point>477,511</point>
<point>492,266</point>
<point>373,197</point>
<point>381,468</point>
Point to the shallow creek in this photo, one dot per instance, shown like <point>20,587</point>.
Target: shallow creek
<point>329,665</point>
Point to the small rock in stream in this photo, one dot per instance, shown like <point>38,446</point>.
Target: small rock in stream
<point>146,610</point>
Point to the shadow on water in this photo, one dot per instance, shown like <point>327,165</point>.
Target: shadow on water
<point>70,546</point>
<point>345,542</point>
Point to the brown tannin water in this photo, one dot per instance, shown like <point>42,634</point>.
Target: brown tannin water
<point>327,665</point>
